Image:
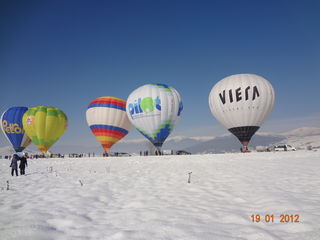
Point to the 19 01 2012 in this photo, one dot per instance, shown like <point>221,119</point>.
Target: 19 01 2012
<point>272,218</point>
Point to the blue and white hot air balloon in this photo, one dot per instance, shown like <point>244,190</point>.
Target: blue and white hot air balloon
<point>154,110</point>
<point>11,125</point>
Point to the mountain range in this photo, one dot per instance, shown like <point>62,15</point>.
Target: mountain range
<point>300,138</point>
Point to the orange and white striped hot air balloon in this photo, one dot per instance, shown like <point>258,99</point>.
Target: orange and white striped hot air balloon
<point>108,120</point>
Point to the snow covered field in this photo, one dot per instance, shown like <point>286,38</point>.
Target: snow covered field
<point>150,197</point>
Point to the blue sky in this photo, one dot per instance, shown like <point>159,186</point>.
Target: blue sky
<point>67,53</point>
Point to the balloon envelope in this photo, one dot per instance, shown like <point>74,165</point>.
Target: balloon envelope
<point>241,103</point>
<point>154,110</point>
<point>108,121</point>
<point>44,125</point>
<point>11,125</point>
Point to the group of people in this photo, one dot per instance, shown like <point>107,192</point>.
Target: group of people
<point>22,157</point>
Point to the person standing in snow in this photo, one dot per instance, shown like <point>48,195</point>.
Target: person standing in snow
<point>14,164</point>
<point>23,163</point>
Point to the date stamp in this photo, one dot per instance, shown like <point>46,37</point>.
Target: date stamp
<point>272,218</point>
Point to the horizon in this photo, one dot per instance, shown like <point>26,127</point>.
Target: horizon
<point>66,54</point>
<point>142,143</point>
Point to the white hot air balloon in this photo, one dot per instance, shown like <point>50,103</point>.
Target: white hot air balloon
<point>241,103</point>
<point>154,109</point>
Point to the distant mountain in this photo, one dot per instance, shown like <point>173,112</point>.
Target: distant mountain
<point>300,138</point>
<point>303,137</point>
<point>303,132</point>
<point>231,144</point>
<point>174,143</point>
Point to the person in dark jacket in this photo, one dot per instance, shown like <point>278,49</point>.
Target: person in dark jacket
<point>14,164</point>
<point>23,163</point>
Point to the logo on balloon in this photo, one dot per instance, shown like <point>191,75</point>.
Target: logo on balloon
<point>12,128</point>
<point>239,94</point>
<point>144,106</point>
<point>29,120</point>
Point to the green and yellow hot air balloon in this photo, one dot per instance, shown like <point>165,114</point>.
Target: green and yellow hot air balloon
<point>44,125</point>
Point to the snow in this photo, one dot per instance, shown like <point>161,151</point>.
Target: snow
<point>150,197</point>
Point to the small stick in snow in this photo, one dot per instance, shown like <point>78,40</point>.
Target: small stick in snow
<point>189,179</point>
<point>8,186</point>
<point>81,183</point>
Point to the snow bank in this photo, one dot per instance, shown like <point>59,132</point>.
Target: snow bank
<point>150,197</point>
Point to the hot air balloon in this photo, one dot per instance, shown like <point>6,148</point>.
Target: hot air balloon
<point>241,103</point>
<point>154,110</point>
<point>44,125</point>
<point>11,125</point>
<point>108,121</point>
